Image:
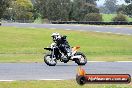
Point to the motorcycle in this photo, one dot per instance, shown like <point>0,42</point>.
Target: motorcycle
<point>55,54</point>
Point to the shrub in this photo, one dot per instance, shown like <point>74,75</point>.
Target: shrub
<point>93,17</point>
<point>120,17</point>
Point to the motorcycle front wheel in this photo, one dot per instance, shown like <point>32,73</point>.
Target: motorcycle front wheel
<point>49,60</point>
<point>82,60</point>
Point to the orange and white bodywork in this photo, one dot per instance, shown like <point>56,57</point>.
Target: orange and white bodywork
<point>81,71</point>
<point>74,49</point>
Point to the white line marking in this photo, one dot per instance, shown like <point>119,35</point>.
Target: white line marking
<point>32,27</point>
<point>96,61</point>
<point>51,79</point>
<point>123,61</point>
<point>110,61</point>
<point>97,31</point>
<point>81,30</point>
<point>37,79</point>
<point>118,33</point>
<point>53,24</point>
<point>98,26</point>
<point>108,32</point>
<point>52,28</point>
<point>118,27</point>
<point>129,34</point>
<point>7,80</point>
<point>67,29</point>
<point>77,25</point>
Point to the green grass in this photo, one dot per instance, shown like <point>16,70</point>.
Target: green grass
<point>108,17</point>
<point>26,44</point>
<point>21,57</point>
<point>129,19</point>
<point>58,84</point>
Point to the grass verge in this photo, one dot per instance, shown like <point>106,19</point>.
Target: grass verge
<point>119,26</point>
<point>108,17</point>
<point>58,84</point>
<point>26,44</point>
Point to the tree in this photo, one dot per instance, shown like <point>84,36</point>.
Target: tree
<point>65,10</point>
<point>19,10</point>
<point>3,6</point>
<point>81,8</point>
<point>102,9</point>
<point>91,1</point>
<point>125,9</point>
<point>128,1</point>
<point>121,9</point>
<point>54,9</point>
<point>111,5</point>
<point>128,10</point>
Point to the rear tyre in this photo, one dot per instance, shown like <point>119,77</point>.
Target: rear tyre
<point>48,60</point>
<point>81,80</point>
<point>79,60</point>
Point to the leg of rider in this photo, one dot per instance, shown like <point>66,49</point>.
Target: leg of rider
<point>67,50</point>
<point>62,49</point>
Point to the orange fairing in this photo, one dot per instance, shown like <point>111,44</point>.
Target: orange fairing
<point>81,72</point>
<point>75,48</point>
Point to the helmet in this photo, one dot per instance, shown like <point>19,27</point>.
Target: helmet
<point>55,34</point>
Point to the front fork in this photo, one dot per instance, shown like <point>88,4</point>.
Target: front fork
<point>53,55</point>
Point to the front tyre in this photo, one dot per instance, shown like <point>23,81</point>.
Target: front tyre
<point>49,61</point>
<point>82,60</point>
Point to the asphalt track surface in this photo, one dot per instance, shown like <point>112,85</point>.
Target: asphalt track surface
<point>40,71</point>
<point>93,28</point>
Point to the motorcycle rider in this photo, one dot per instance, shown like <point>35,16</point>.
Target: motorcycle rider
<point>62,43</point>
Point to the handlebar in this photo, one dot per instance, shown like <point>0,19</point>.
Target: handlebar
<point>48,49</point>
